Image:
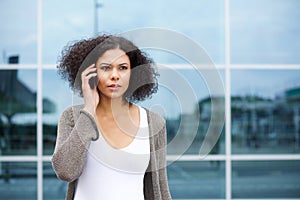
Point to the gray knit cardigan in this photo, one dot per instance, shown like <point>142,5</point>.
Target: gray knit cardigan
<point>76,130</point>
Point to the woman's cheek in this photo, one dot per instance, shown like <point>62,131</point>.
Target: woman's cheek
<point>100,74</point>
<point>127,76</point>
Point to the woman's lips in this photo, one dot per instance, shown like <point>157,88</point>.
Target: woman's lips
<point>114,87</point>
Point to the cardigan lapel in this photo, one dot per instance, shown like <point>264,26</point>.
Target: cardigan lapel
<point>153,167</point>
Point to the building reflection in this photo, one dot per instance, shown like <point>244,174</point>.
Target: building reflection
<point>262,124</point>
<point>258,125</point>
<point>16,98</point>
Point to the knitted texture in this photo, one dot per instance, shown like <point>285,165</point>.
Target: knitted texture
<point>77,128</point>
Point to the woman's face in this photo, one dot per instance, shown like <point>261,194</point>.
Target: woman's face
<point>113,69</point>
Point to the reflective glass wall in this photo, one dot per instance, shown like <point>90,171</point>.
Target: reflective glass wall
<point>253,48</point>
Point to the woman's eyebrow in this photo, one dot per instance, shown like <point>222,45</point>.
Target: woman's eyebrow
<point>104,64</point>
<point>110,64</point>
<point>124,63</point>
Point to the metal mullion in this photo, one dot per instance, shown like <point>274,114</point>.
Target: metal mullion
<point>18,158</point>
<point>39,104</point>
<point>18,66</point>
<point>265,157</point>
<point>265,66</point>
<point>222,157</point>
<point>227,102</point>
<point>49,66</point>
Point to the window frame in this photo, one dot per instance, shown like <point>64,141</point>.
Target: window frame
<point>228,157</point>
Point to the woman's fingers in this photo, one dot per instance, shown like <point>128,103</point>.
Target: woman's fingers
<point>89,69</point>
<point>90,76</point>
<point>90,94</point>
<point>88,73</point>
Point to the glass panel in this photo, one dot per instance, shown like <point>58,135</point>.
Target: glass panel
<point>265,31</point>
<point>266,179</point>
<point>64,21</point>
<point>18,30</point>
<point>183,99</point>
<point>265,110</point>
<point>18,180</point>
<point>53,188</point>
<point>197,180</point>
<point>56,98</point>
<point>18,116</point>
<point>202,21</point>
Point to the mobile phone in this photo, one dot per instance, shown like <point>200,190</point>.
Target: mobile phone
<point>93,82</point>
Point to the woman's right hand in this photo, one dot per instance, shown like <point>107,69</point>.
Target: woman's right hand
<point>91,96</point>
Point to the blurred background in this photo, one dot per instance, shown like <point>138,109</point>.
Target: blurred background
<point>255,46</point>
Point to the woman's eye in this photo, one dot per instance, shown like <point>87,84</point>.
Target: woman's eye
<point>104,68</point>
<point>123,67</point>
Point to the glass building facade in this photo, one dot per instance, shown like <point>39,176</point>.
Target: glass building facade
<point>254,47</point>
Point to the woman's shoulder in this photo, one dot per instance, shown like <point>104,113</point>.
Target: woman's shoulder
<point>74,107</point>
<point>155,120</point>
<point>72,112</point>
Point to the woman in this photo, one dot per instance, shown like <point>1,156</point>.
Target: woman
<point>109,148</point>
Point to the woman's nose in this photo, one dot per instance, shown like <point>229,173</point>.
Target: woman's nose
<point>115,75</point>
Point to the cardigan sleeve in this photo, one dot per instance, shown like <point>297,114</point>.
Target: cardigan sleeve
<point>163,179</point>
<point>72,143</point>
<point>158,164</point>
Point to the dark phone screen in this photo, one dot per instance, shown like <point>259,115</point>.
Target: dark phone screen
<point>93,82</point>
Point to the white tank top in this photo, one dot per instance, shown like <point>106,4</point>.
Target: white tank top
<point>114,174</point>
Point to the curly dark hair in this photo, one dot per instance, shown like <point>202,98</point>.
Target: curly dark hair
<point>77,56</point>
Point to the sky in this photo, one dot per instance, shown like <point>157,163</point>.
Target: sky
<point>262,32</point>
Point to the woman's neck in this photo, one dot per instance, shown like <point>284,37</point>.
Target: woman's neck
<point>113,106</point>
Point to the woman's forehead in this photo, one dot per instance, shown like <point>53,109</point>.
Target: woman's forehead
<point>113,56</point>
